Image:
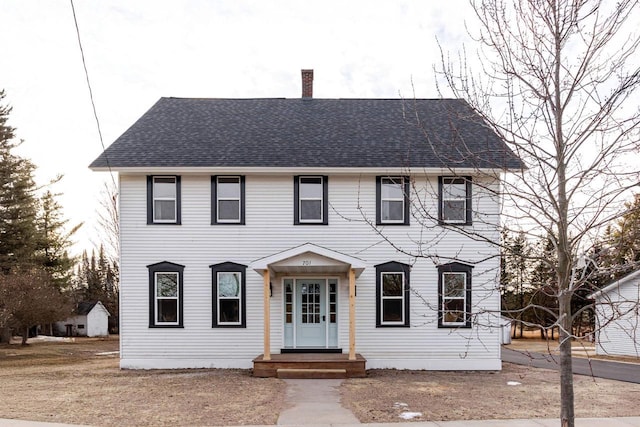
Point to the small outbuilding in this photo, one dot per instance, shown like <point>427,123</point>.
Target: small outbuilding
<point>91,319</point>
<point>617,317</point>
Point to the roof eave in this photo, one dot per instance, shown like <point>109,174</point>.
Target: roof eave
<point>137,170</point>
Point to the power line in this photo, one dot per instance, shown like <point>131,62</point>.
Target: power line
<point>93,105</point>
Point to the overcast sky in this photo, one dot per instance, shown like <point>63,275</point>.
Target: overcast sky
<point>139,51</point>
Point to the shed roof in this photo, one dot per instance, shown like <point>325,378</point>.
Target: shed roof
<point>308,132</point>
<point>85,307</point>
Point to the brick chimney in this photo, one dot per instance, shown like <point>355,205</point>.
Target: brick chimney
<point>307,83</point>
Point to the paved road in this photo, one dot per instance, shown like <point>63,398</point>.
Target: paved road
<point>629,372</point>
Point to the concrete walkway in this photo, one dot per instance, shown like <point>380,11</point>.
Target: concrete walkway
<point>315,402</point>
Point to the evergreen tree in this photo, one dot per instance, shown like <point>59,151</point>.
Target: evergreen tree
<point>516,277</point>
<point>619,249</point>
<point>34,265</point>
<point>54,242</point>
<point>18,203</point>
<point>97,280</point>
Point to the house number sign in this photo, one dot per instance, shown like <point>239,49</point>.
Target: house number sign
<point>306,262</point>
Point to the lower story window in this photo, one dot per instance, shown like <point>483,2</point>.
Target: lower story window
<point>165,294</point>
<point>392,298</point>
<point>392,292</point>
<point>229,298</point>
<point>454,295</point>
<point>228,294</point>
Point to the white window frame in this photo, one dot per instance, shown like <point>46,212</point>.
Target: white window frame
<point>300,199</point>
<point>383,298</point>
<point>239,199</point>
<point>401,199</point>
<point>157,298</point>
<point>174,199</point>
<point>445,298</point>
<point>447,181</point>
<point>239,298</point>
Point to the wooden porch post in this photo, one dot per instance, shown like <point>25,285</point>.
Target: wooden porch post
<point>267,315</point>
<point>352,314</point>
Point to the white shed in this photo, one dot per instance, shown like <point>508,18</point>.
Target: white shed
<point>617,317</point>
<point>91,319</point>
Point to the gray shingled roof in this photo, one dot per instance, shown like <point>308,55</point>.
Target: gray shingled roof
<point>85,307</point>
<point>278,132</point>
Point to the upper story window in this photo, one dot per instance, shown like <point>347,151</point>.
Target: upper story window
<point>227,199</point>
<point>454,295</point>
<point>392,292</point>
<point>163,200</point>
<point>165,295</point>
<point>455,200</point>
<point>311,204</point>
<point>392,200</point>
<point>228,283</point>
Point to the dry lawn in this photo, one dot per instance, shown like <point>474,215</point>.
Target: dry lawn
<point>385,394</point>
<point>73,383</point>
<point>69,382</point>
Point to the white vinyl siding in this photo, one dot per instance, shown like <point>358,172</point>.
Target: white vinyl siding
<point>618,320</point>
<point>270,229</point>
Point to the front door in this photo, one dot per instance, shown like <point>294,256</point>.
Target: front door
<point>311,319</point>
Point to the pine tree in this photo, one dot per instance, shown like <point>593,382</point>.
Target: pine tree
<point>35,268</point>
<point>18,203</point>
<point>619,249</point>
<point>54,242</point>
<point>97,280</point>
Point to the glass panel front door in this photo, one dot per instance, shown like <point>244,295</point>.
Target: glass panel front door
<point>311,316</point>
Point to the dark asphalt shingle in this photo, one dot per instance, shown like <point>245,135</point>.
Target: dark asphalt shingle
<point>276,132</point>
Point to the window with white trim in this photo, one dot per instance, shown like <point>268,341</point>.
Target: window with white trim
<point>392,200</point>
<point>165,294</point>
<point>163,200</point>
<point>455,200</point>
<point>454,295</point>
<point>228,295</point>
<point>392,298</point>
<point>310,206</point>
<point>227,197</point>
<point>392,292</point>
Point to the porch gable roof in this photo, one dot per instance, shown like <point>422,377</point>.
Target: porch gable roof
<point>309,258</point>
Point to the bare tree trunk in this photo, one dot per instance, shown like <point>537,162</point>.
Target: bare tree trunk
<point>5,335</point>
<point>567,416</point>
<point>25,335</point>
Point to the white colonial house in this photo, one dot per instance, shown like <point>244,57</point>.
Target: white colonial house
<point>617,317</point>
<point>279,230</point>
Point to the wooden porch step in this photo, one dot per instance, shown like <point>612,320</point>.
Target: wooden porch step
<point>310,365</point>
<point>309,373</point>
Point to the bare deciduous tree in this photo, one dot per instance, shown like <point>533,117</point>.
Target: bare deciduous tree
<point>108,221</point>
<point>31,298</point>
<point>558,81</point>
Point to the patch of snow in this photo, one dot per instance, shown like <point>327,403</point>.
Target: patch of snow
<point>46,338</point>
<point>107,353</point>
<point>513,383</point>
<point>400,405</point>
<point>410,415</point>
